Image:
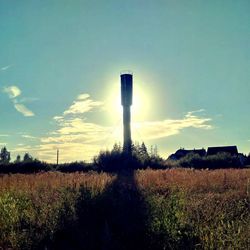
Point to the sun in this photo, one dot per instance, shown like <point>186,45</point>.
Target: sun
<point>139,108</point>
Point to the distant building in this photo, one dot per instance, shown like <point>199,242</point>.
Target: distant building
<point>232,150</point>
<point>183,152</point>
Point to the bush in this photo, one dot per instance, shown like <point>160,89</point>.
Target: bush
<point>220,160</point>
<point>74,167</point>
<point>25,167</point>
<point>115,161</point>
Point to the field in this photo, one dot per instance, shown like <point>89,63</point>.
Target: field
<point>144,209</point>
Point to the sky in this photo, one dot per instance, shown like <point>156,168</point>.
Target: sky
<point>60,70</point>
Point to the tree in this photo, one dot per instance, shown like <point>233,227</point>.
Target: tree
<point>117,148</point>
<point>135,148</point>
<point>143,153</point>
<point>4,156</point>
<point>27,157</point>
<point>18,159</point>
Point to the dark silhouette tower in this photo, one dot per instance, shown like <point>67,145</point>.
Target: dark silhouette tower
<point>126,96</point>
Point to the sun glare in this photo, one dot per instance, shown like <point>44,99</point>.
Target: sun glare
<point>139,108</point>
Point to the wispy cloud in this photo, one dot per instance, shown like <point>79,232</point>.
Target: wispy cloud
<point>13,92</point>
<point>196,111</point>
<point>28,99</point>
<point>23,110</point>
<point>82,104</point>
<point>29,137</point>
<point>5,67</point>
<point>58,118</point>
<point>161,129</point>
<point>4,135</point>
<point>78,138</point>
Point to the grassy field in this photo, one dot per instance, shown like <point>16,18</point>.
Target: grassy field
<point>144,209</point>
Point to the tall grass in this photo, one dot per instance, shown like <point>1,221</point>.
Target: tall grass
<point>145,209</point>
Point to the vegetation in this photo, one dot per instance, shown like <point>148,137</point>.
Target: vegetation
<point>140,208</point>
<point>220,160</point>
<point>143,209</point>
<point>116,160</point>
<point>113,160</point>
<point>4,156</point>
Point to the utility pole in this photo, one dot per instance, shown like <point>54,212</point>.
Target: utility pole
<point>57,157</point>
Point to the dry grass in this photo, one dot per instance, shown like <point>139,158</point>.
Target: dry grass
<point>53,180</point>
<point>194,208</point>
<point>196,180</point>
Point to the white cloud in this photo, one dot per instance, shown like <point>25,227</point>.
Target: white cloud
<point>196,111</point>
<point>161,129</point>
<point>28,136</point>
<point>78,138</point>
<point>12,91</point>
<point>58,118</point>
<point>82,105</point>
<point>5,67</point>
<point>4,135</point>
<point>83,96</point>
<point>23,110</point>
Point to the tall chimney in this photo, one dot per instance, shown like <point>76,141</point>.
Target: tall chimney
<point>126,99</point>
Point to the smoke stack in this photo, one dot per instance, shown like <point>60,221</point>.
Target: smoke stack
<point>126,100</point>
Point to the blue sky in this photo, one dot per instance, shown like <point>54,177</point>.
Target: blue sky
<point>60,64</point>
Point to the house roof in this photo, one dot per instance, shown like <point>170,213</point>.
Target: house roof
<point>187,151</point>
<point>223,149</point>
<point>183,152</point>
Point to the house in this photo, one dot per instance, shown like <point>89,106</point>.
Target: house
<point>232,150</point>
<point>183,152</point>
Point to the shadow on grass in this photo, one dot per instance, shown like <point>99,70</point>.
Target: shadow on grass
<point>121,218</point>
<point>114,219</point>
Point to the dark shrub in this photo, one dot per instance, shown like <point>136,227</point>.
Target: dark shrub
<point>74,167</point>
<point>220,160</point>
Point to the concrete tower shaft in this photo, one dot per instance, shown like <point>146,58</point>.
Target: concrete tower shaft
<point>126,100</point>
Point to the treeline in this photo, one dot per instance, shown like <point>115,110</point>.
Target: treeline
<point>109,161</point>
<point>116,159</point>
<point>140,158</point>
<point>5,157</point>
